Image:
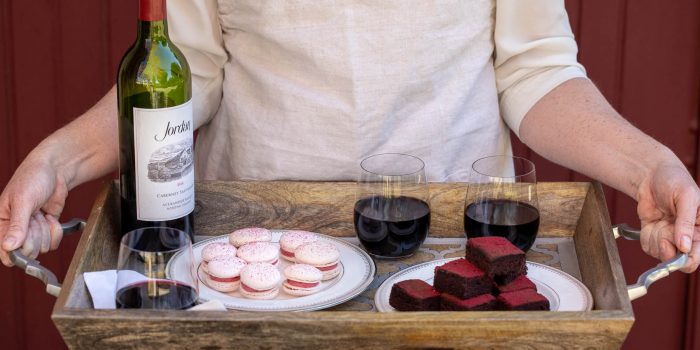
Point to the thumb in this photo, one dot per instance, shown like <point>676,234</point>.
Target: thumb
<point>686,214</point>
<point>20,214</point>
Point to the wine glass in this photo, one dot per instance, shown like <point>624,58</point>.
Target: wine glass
<point>142,278</point>
<point>392,214</point>
<point>501,200</point>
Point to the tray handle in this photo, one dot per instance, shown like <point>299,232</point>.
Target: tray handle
<point>652,275</point>
<point>33,268</point>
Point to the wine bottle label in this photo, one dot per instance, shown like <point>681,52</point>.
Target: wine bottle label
<point>164,162</point>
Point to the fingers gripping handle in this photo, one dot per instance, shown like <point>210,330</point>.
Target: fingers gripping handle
<point>72,226</point>
<point>33,268</point>
<point>660,271</point>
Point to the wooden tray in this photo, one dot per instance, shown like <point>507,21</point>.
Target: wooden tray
<point>574,212</point>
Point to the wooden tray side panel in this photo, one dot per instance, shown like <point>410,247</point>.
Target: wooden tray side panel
<point>97,250</point>
<point>345,330</point>
<point>328,207</point>
<point>601,269</point>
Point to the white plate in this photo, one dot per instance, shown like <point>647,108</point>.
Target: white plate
<point>564,292</point>
<point>357,273</point>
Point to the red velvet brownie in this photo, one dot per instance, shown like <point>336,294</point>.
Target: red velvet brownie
<point>497,257</point>
<point>520,283</point>
<point>482,302</point>
<point>461,279</point>
<point>414,295</point>
<point>526,299</point>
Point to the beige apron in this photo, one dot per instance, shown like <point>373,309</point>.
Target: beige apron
<point>312,87</point>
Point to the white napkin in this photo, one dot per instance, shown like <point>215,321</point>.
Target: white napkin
<point>102,286</point>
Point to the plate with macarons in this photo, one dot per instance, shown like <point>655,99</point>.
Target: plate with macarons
<point>257,269</point>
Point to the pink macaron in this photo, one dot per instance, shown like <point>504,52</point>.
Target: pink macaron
<point>249,235</point>
<point>302,280</point>
<point>259,252</point>
<point>260,281</point>
<point>214,250</point>
<point>224,273</point>
<point>291,240</point>
<point>321,255</point>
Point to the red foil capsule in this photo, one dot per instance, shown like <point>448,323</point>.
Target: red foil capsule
<point>152,10</point>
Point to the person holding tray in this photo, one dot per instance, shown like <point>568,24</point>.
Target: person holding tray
<point>304,90</point>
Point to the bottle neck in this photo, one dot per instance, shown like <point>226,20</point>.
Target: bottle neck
<point>153,29</point>
<point>152,19</point>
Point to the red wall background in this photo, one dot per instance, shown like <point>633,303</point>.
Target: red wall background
<point>59,57</point>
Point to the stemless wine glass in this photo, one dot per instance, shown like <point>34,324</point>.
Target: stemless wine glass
<point>392,214</point>
<point>501,200</point>
<point>142,279</point>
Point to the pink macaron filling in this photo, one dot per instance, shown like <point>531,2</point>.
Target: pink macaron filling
<point>300,284</point>
<point>327,268</point>
<point>286,253</point>
<point>224,280</point>
<point>252,290</point>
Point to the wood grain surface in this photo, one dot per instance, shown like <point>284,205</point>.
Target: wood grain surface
<point>327,208</point>
<point>604,277</point>
<point>140,329</point>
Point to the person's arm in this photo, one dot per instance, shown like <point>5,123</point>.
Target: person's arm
<point>575,126</point>
<point>547,100</point>
<point>87,148</point>
<point>33,199</point>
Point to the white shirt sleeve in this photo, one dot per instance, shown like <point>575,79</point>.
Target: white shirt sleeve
<point>194,27</point>
<point>535,52</point>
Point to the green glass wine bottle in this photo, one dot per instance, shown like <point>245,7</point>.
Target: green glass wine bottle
<point>156,169</point>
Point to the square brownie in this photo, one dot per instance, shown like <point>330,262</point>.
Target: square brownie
<point>526,299</point>
<point>497,257</point>
<point>414,295</point>
<point>519,283</point>
<point>461,279</point>
<point>484,302</point>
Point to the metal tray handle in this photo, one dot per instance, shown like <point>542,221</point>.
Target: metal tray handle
<point>652,275</point>
<point>33,268</point>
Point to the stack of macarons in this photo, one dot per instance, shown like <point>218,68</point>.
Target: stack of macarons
<point>249,260</point>
<point>259,252</point>
<point>215,250</point>
<point>260,281</point>
<point>321,255</point>
<point>291,240</point>
<point>302,280</point>
<point>254,245</point>
<point>244,236</point>
<point>224,273</point>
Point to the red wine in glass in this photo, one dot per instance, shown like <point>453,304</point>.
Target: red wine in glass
<point>516,221</point>
<point>391,226</point>
<point>392,214</point>
<point>156,294</point>
<point>145,259</point>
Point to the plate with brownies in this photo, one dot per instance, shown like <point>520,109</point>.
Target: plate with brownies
<point>493,276</point>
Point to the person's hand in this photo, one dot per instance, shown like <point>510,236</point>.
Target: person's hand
<point>668,207</point>
<point>30,206</point>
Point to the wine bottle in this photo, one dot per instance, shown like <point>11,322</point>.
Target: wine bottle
<point>156,157</point>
